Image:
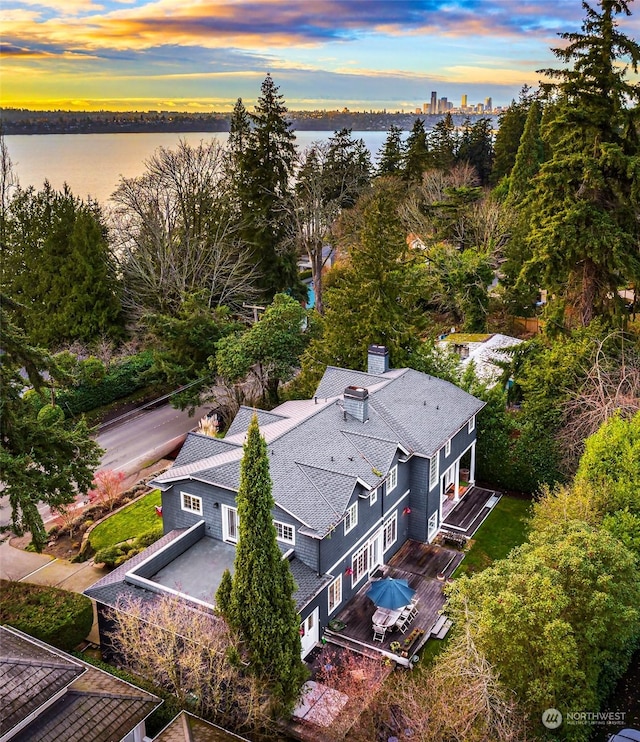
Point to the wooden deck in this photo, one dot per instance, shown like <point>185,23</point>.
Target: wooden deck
<point>467,516</point>
<point>419,564</point>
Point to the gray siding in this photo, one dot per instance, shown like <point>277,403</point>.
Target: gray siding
<point>418,500</point>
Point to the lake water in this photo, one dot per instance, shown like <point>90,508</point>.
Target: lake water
<point>92,164</point>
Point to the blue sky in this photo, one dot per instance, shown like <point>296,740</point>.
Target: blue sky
<point>201,55</point>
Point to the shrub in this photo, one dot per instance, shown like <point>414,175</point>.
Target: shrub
<point>55,616</point>
<point>123,379</point>
<point>114,556</point>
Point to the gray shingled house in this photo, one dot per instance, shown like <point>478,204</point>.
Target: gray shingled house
<point>366,465</point>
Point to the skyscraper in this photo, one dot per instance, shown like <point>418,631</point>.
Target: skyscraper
<point>488,104</point>
<point>433,108</point>
<point>463,104</point>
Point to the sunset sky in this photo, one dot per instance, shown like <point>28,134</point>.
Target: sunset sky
<point>201,55</point>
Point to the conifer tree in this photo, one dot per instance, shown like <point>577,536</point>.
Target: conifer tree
<point>57,264</point>
<point>584,229</point>
<point>416,154</point>
<point>510,128</point>
<point>528,158</point>
<point>443,144</point>
<point>258,602</point>
<point>347,168</point>
<point>266,166</point>
<point>391,153</point>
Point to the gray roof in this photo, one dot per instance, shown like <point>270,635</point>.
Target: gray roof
<point>243,417</point>
<point>318,454</point>
<point>198,446</point>
<point>114,586</point>
<point>92,703</point>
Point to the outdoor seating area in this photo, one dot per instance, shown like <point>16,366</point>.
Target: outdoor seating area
<point>403,625</point>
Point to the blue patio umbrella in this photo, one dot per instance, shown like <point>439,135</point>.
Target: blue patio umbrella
<point>390,593</point>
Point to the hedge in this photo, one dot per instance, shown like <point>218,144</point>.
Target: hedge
<point>123,379</point>
<point>58,617</point>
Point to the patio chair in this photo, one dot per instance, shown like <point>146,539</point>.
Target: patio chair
<point>379,633</point>
<point>403,622</point>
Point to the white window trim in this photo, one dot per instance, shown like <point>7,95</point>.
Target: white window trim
<point>355,577</point>
<point>337,583</point>
<point>351,518</point>
<point>434,470</point>
<point>392,479</point>
<point>447,448</point>
<point>373,496</point>
<point>186,508</point>
<point>282,538</point>
<point>392,520</point>
<point>431,532</point>
<point>472,424</point>
<point>225,524</point>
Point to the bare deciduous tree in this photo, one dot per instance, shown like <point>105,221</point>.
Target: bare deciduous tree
<point>194,655</point>
<point>175,233</point>
<point>611,386</point>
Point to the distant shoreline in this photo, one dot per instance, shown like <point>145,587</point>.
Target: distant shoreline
<point>18,122</point>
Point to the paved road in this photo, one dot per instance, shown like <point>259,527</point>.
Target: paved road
<point>146,438</point>
<point>133,444</point>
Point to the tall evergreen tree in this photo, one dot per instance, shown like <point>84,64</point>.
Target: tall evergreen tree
<point>57,264</point>
<point>443,144</point>
<point>374,296</point>
<point>258,600</point>
<point>416,153</point>
<point>511,125</point>
<point>347,168</point>
<point>267,166</point>
<point>584,228</point>
<point>391,154</point>
<point>476,148</point>
<point>528,158</point>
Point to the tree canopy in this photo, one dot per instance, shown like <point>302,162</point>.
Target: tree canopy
<point>584,230</point>
<point>43,458</point>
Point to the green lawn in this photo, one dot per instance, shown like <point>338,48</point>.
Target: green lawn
<point>132,521</point>
<point>505,528</point>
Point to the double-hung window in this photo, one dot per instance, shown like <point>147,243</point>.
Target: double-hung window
<point>373,496</point>
<point>472,424</point>
<point>191,503</point>
<point>351,518</point>
<point>447,448</point>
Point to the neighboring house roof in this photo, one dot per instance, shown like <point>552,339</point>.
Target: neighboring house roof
<point>69,700</point>
<point>318,453</point>
<point>186,727</point>
<point>487,354</point>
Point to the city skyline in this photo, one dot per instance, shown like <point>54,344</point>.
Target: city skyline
<point>202,55</point>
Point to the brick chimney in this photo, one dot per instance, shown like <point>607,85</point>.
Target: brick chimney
<point>377,359</point>
<point>356,402</point>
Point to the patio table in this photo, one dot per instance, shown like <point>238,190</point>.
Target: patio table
<point>386,616</point>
